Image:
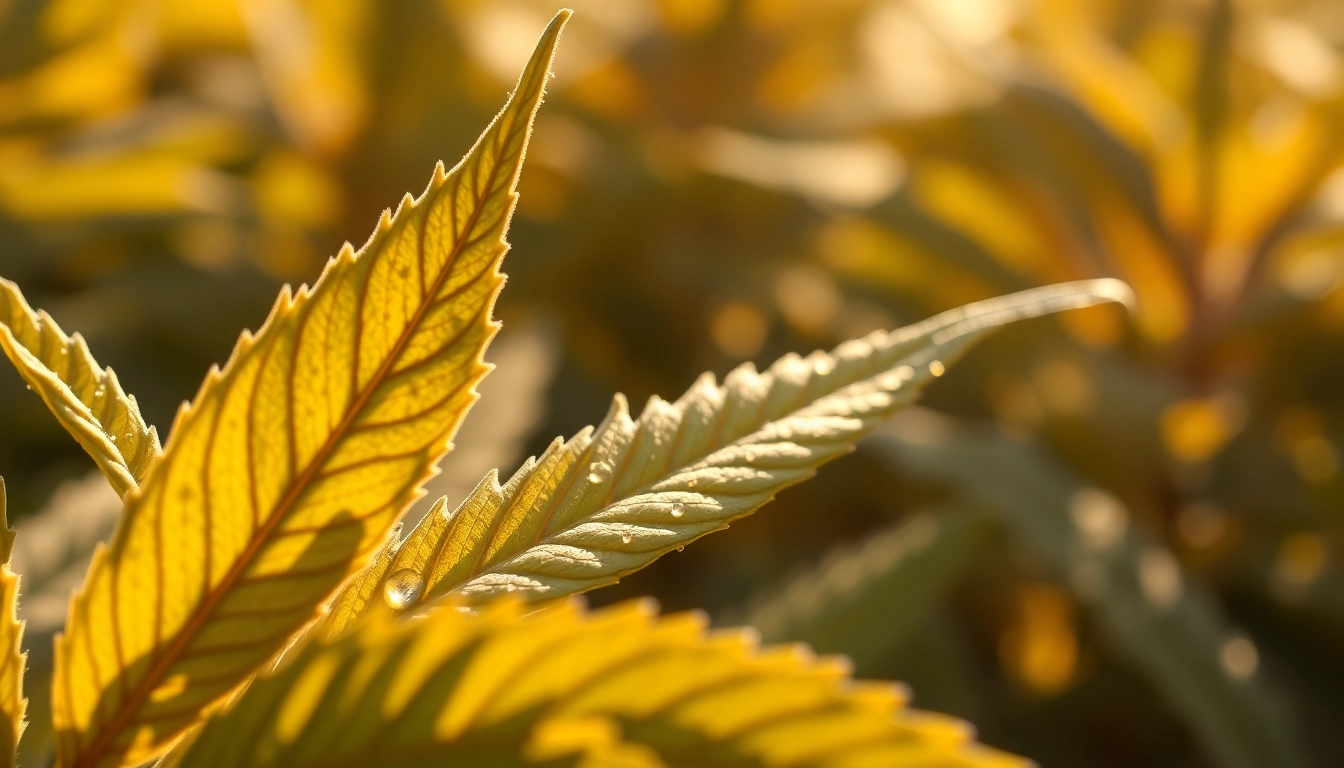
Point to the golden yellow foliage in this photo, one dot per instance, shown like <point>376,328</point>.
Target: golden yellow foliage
<point>286,471</point>
<point>616,687</point>
<point>88,402</point>
<point>12,703</point>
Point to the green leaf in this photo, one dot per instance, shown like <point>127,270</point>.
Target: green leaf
<point>612,500</point>
<point>1160,617</point>
<point>616,687</point>
<point>87,400</point>
<point>865,599</point>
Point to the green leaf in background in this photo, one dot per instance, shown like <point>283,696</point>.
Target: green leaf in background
<point>1159,616</point>
<point>865,599</point>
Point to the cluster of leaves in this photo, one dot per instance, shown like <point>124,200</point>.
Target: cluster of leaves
<point>720,181</point>
<point>257,603</point>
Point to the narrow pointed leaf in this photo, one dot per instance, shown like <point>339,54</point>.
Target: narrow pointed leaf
<point>611,500</point>
<point>12,703</point>
<point>87,400</point>
<point>504,689</point>
<point>287,471</point>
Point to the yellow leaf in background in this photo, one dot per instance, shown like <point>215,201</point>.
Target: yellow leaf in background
<point>310,54</point>
<point>506,689</point>
<point>611,501</point>
<point>12,703</point>
<point>289,468</point>
<point>88,402</point>
<point>1107,82</point>
<point>98,78</point>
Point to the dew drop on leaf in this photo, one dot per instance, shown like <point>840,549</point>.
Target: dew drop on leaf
<point>403,588</point>
<point>625,538</point>
<point>678,509</point>
<point>599,472</point>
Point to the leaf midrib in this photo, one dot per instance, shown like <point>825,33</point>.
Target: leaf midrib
<point>136,699</point>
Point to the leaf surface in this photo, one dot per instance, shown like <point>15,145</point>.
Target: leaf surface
<point>87,400</point>
<point>610,501</point>
<point>616,687</point>
<point>288,469</point>
<point>12,703</point>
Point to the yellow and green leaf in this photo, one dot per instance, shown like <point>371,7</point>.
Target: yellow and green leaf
<point>610,501</point>
<point>12,703</point>
<point>561,687</point>
<point>287,471</point>
<point>87,400</point>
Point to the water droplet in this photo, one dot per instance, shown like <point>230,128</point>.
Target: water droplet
<point>937,368</point>
<point>625,538</point>
<point>678,509</point>
<point>402,589</point>
<point>680,548</point>
<point>599,472</point>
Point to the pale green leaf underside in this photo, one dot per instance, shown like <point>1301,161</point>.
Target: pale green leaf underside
<point>610,501</point>
<point>87,400</point>
<point>615,687</point>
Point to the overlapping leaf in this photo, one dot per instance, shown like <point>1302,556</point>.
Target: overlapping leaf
<point>288,469</point>
<point>87,400</point>
<point>609,501</point>
<point>617,687</point>
<point>12,703</point>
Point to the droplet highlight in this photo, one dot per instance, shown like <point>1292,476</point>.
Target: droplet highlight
<point>937,368</point>
<point>678,509</point>
<point>402,589</point>
<point>599,472</point>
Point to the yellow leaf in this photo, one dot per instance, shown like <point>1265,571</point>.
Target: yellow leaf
<point>506,689</point>
<point>286,472</point>
<point>611,501</point>
<point>88,402</point>
<point>12,703</point>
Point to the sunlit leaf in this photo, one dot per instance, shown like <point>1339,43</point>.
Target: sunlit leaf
<point>58,543</point>
<point>87,400</point>
<point>1159,616</point>
<point>289,468</point>
<point>612,500</point>
<point>505,689</point>
<point>12,703</point>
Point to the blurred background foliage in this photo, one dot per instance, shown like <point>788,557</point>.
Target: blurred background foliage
<point>1119,540</point>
